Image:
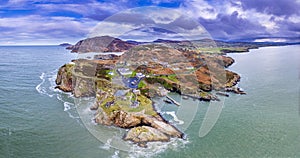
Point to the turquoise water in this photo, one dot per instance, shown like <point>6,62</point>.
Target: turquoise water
<point>37,121</point>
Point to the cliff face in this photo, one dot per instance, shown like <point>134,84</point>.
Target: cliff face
<point>70,80</point>
<point>64,78</point>
<point>101,44</point>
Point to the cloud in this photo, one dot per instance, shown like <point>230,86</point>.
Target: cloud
<point>270,40</point>
<point>277,8</point>
<point>34,27</point>
<point>240,19</point>
<point>200,8</point>
<point>93,10</point>
<point>150,23</point>
<point>71,20</point>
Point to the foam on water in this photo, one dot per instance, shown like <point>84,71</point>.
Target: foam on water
<point>175,118</point>
<point>116,155</point>
<point>47,87</point>
<point>67,106</point>
<point>39,87</point>
<point>155,148</point>
<point>107,145</point>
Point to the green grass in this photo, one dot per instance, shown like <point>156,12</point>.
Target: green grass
<point>69,69</point>
<point>172,77</point>
<point>125,105</point>
<point>219,50</point>
<point>133,98</point>
<point>110,109</point>
<point>145,104</point>
<point>133,74</point>
<point>141,129</point>
<point>104,85</point>
<point>160,79</point>
<point>141,85</point>
<point>214,50</point>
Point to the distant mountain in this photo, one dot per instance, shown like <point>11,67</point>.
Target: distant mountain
<point>111,44</point>
<point>205,45</point>
<point>65,44</point>
<point>101,44</point>
<point>165,41</point>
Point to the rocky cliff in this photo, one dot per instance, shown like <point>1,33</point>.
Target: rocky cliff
<point>101,44</point>
<point>64,78</point>
<point>143,128</point>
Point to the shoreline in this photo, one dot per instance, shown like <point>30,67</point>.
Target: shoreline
<point>261,47</point>
<point>146,126</point>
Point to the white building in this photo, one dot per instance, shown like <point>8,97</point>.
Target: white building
<point>124,71</point>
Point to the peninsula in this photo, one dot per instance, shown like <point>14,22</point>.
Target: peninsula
<point>125,75</point>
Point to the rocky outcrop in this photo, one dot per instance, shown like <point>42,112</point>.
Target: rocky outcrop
<point>118,118</point>
<point>143,128</point>
<point>64,77</point>
<point>236,90</point>
<point>69,80</point>
<point>232,78</point>
<point>227,61</point>
<point>143,134</point>
<point>101,44</point>
<point>162,126</point>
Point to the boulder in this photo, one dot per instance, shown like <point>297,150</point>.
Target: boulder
<point>144,134</point>
<point>126,120</point>
<point>162,126</point>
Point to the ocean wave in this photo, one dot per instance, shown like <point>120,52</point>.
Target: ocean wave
<point>107,145</point>
<point>155,148</point>
<point>39,87</point>
<point>175,118</point>
<point>116,155</point>
<point>47,87</point>
<point>67,106</point>
<point>43,86</point>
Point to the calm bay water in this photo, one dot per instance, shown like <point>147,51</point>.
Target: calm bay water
<point>37,121</point>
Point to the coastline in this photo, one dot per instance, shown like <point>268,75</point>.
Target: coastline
<point>135,121</point>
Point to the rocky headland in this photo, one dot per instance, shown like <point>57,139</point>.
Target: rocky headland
<point>124,85</point>
<point>100,44</point>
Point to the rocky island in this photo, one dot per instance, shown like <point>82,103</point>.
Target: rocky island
<point>124,84</point>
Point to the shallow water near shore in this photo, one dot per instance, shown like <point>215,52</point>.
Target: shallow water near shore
<point>38,121</point>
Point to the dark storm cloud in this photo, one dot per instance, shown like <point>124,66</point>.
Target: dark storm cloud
<point>275,7</point>
<point>294,27</point>
<point>290,29</point>
<point>248,19</point>
<point>232,27</point>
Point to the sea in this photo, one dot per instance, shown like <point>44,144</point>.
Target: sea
<point>39,121</point>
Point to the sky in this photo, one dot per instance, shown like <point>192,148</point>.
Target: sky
<point>47,22</point>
